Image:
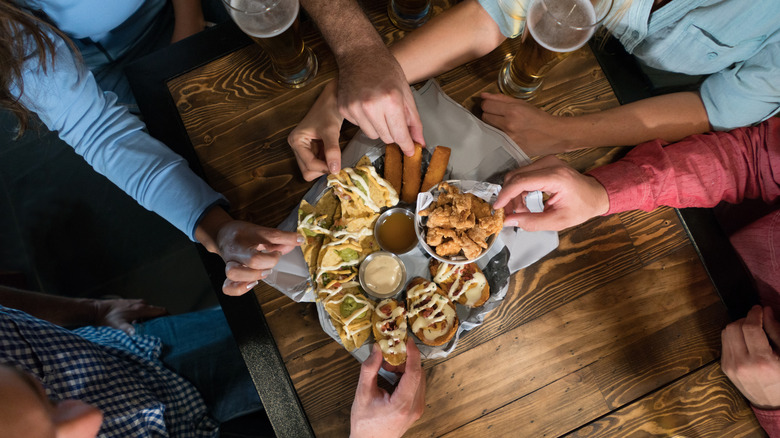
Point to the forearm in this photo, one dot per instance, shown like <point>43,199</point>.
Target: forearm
<point>700,171</point>
<point>63,311</point>
<point>461,34</point>
<point>669,117</point>
<point>345,28</point>
<point>187,18</point>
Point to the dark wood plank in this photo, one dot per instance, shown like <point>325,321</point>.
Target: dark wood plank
<point>702,404</point>
<point>654,234</point>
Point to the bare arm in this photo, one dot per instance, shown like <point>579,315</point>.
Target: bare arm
<point>78,312</point>
<point>188,19</point>
<point>670,117</point>
<point>461,34</point>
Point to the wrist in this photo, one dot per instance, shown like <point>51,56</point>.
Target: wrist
<point>207,231</point>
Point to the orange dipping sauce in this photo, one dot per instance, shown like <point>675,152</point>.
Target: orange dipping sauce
<point>395,233</point>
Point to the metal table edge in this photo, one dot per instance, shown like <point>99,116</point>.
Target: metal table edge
<point>725,268</point>
<point>148,78</point>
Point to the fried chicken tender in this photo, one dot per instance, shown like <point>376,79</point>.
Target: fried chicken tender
<point>460,223</point>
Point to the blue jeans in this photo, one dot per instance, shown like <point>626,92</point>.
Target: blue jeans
<point>200,347</point>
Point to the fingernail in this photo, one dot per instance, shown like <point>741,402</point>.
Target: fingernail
<point>251,285</point>
<point>265,273</point>
<point>131,331</point>
<point>301,239</point>
<point>334,168</point>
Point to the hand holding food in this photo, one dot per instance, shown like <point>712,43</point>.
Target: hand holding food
<point>574,199</point>
<point>389,327</point>
<point>432,316</point>
<point>249,250</point>
<point>375,413</point>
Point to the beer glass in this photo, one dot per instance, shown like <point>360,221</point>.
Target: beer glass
<point>273,25</point>
<point>409,14</point>
<point>557,28</point>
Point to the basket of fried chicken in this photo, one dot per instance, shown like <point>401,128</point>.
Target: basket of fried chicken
<point>455,221</point>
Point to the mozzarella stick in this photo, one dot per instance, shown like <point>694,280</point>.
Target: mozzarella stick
<point>437,167</point>
<point>393,166</point>
<point>412,175</point>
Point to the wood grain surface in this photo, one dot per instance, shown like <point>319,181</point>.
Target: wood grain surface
<point>615,333</point>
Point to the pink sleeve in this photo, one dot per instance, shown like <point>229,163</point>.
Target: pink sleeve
<point>769,420</point>
<point>699,171</point>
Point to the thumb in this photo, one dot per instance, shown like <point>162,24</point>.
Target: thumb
<point>772,327</point>
<point>332,151</point>
<point>370,370</point>
<point>544,221</point>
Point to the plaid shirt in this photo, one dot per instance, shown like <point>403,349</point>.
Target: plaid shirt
<point>110,370</point>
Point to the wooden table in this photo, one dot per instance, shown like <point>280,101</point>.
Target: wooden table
<point>615,333</point>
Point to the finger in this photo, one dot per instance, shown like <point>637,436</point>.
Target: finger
<point>238,272</point>
<point>494,120</point>
<point>399,131</point>
<point>369,372</point>
<point>410,382</point>
<point>283,249</point>
<point>498,98</point>
<point>274,236</point>
<point>311,166</point>
<point>413,118</point>
<point>150,312</point>
<point>772,326</point>
<point>236,288</point>
<point>544,221</point>
<point>127,328</point>
<point>332,153</point>
<point>366,126</point>
<point>733,341</point>
<point>753,331</point>
<point>496,104</point>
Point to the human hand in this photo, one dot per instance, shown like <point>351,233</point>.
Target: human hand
<point>374,94</point>
<point>121,313</point>
<point>534,130</point>
<point>574,197</point>
<point>375,413</point>
<point>315,141</point>
<point>749,360</point>
<point>249,252</point>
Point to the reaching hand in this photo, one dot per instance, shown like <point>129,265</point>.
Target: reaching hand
<point>315,141</point>
<point>121,313</point>
<point>530,127</point>
<point>574,197</point>
<point>249,252</point>
<point>749,360</point>
<point>374,94</point>
<point>377,414</point>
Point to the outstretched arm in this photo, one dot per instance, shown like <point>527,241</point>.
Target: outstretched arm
<point>670,117</point>
<point>187,19</point>
<point>78,312</point>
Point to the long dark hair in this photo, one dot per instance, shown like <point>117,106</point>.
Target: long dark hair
<point>18,29</point>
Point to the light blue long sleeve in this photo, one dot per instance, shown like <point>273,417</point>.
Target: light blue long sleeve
<point>113,141</point>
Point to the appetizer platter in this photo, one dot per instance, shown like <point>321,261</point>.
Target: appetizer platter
<point>354,247</point>
<point>476,158</point>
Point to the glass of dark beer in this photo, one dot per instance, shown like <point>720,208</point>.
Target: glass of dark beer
<point>273,25</point>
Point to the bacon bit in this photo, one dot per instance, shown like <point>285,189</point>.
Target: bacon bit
<point>439,315</point>
<point>336,285</point>
<point>389,326</point>
<point>386,309</point>
<point>426,313</point>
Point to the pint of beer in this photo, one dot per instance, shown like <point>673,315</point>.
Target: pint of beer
<point>409,14</point>
<point>273,25</point>
<point>523,74</point>
<point>557,28</point>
